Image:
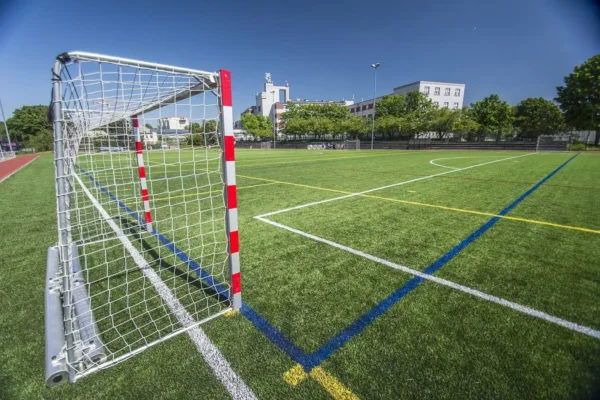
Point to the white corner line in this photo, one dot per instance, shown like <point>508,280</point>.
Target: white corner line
<point>18,169</point>
<point>386,187</point>
<point>465,289</point>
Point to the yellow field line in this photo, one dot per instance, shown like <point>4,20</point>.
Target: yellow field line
<point>336,389</point>
<point>197,194</point>
<point>416,203</point>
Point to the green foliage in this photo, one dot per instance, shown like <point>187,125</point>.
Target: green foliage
<point>391,106</point>
<point>389,125</point>
<point>331,111</point>
<point>354,126</point>
<point>466,126</point>
<point>535,116</point>
<point>257,125</point>
<point>210,126</point>
<point>43,141</point>
<point>150,126</point>
<point>27,122</point>
<point>196,127</point>
<point>443,121</point>
<point>580,97</point>
<point>494,116</point>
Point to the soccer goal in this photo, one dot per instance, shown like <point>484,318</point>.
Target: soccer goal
<point>554,143</point>
<point>147,240</point>
<point>352,144</point>
<point>265,145</point>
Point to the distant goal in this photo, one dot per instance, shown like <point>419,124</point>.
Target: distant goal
<point>266,145</point>
<point>147,240</point>
<point>557,143</point>
<point>352,144</point>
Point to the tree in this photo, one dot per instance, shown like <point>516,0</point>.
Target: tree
<point>28,121</point>
<point>466,126</point>
<point>354,126</point>
<point>580,97</point>
<point>149,126</point>
<point>494,116</point>
<point>196,127</point>
<point>209,126</point>
<point>43,141</point>
<point>389,125</point>
<point>393,105</point>
<point>443,121</point>
<point>535,116</point>
<point>257,125</point>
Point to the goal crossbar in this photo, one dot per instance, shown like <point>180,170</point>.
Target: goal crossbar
<point>114,111</point>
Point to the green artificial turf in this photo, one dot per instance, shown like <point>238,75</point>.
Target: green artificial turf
<point>434,343</point>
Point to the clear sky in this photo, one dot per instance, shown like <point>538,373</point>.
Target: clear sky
<point>516,48</point>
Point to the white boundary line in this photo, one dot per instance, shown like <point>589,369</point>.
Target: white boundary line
<point>465,289</point>
<point>386,187</point>
<point>232,382</point>
<point>18,169</point>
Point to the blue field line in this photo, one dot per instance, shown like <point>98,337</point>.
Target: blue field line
<point>272,333</point>
<point>366,319</point>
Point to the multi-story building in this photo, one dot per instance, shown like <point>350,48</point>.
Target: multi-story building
<point>271,95</point>
<point>442,94</point>
<point>172,124</point>
<point>273,101</point>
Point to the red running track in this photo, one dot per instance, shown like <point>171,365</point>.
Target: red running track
<point>9,167</point>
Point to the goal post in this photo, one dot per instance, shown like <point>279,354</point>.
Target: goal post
<point>352,144</point>
<point>266,145</point>
<point>148,243</point>
<point>554,143</point>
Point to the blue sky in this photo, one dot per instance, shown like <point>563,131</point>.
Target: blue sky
<point>516,48</point>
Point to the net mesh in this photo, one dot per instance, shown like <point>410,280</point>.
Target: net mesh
<point>351,144</point>
<point>128,286</point>
<point>554,143</point>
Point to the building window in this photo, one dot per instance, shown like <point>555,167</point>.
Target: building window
<point>258,108</point>
<point>371,106</point>
<point>446,104</point>
<point>426,90</point>
<point>456,106</point>
<point>447,91</point>
<point>436,103</point>
<point>364,107</point>
<point>436,91</point>
<point>457,92</point>
<point>352,110</point>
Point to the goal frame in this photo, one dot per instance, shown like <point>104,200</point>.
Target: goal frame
<point>62,258</point>
<point>356,143</point>
<point>569,145</point>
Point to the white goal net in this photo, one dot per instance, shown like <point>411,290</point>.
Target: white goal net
<point>147,240</point>
<point>265,145</point>
<point>352,144</point>
<point>554,143</point>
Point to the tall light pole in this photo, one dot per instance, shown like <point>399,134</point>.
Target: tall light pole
<point>374,66</point>
<point>274,119</point>
<point>5,127</point>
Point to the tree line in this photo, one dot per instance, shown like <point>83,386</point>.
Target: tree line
<point>411,115</point>
<point>576,107</point>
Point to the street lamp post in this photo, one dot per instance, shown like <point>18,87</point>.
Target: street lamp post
<point>5,128</point>
<point>374,66</point>
<point>274,120</point>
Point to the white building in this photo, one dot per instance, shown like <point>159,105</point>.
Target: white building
<point>172,123</point>
<point>442,94</point>
<point>272,102</point>
<point>271,95</point>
